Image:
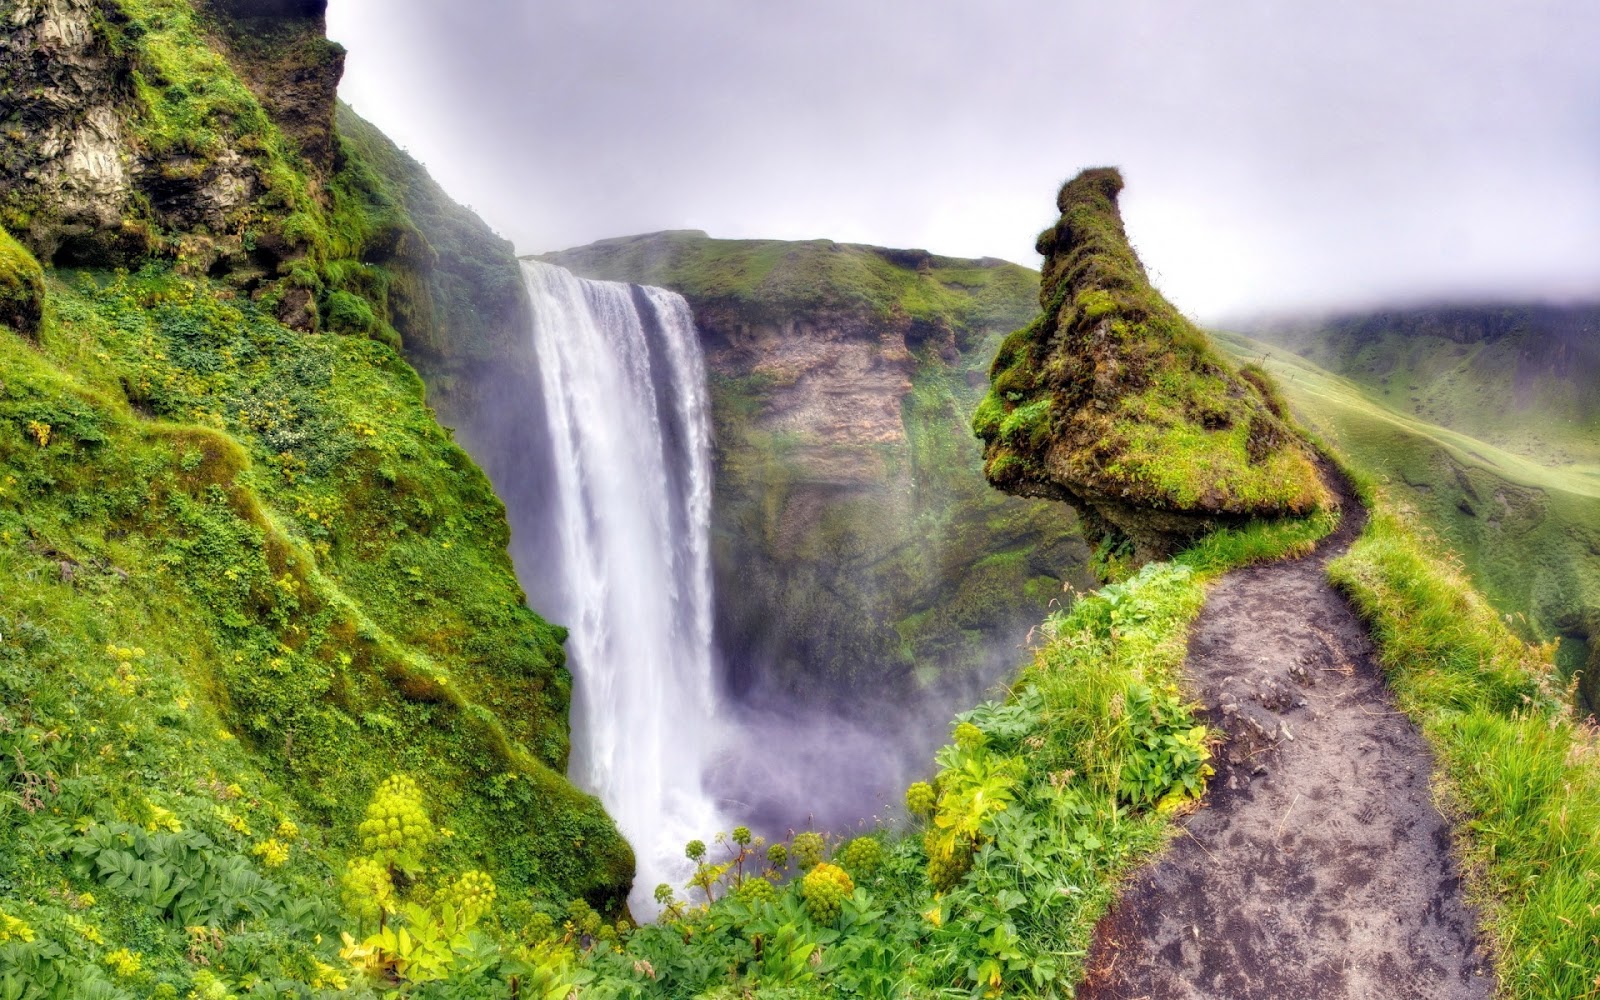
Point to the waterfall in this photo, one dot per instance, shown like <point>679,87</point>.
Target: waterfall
<point>628,420</point>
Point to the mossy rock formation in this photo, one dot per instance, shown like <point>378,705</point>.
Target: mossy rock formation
<point>21,286</point>
<point>1112,401</point>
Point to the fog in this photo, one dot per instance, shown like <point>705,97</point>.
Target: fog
<point>1278,155</point>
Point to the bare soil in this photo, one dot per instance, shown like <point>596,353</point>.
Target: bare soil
<point>1318,866</point>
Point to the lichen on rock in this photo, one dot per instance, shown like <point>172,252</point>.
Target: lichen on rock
<point>1112,401</point>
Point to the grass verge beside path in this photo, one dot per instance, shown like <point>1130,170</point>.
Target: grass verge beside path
<point>1042,803</point>
<point>1519,777</point>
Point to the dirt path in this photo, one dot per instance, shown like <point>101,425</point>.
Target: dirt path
<point>1318,866</point>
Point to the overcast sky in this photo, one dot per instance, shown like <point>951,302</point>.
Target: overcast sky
<point>1278,154</point>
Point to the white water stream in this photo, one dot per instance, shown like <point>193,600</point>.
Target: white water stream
<point>628,417</point>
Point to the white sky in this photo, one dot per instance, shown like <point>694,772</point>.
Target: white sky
<point>1279,154</point>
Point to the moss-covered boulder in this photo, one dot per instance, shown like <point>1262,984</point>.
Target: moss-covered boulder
<point>21,287</point>
<point>1112,401</point>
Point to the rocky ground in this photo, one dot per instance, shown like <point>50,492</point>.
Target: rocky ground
<point>1319,865</point>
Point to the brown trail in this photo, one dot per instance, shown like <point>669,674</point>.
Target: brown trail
<point>1318,866</point>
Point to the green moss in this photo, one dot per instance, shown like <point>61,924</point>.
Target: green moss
<point>1111,395</point>
<point>21,286</point>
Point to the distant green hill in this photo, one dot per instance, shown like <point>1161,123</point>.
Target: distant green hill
<point>1528,531</point>
<point>1523,377</point>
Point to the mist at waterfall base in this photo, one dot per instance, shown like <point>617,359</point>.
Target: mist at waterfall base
<point>604,463</point>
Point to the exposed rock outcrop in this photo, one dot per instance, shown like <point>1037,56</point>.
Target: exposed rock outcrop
<point>1112,401</point>
<point>280,49</point>
<point>65,92</point>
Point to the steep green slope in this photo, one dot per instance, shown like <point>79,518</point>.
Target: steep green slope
<point>1527,532</point>
<point>856,548</point>
<point>1112,401</point>
<point>245,575</point>
<point>1525,378</point>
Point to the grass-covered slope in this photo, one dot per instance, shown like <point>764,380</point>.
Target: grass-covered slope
<point>1114,402</point>
<point>857,551</point>
<point>1524,378</point>
<point>247,577</point>
<point>1527,529</point>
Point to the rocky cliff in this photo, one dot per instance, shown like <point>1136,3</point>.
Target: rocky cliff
<point>1113,402</point>
<point>245,574</point>
<point>857,553</point>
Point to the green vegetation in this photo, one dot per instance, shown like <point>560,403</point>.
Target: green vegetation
<point>247,577</point>
<point>1525,526</point>
<point>1041,802</point>
<point>457,298</point>
<point>1114,402</point>
<point>1521,779</point>
<point>21,286</point>
<point>777,280</point>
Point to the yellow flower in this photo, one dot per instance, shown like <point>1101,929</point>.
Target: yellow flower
<point>272,852</point>
<point>124,963</point>
<point>13,929</point>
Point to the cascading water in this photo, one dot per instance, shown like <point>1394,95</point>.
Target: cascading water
<point>627,415</point>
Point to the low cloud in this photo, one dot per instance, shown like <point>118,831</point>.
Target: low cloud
<point>1278,155</point>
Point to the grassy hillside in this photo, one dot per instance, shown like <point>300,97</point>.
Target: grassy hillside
<point>1528,532</point>
<point>247,576</point>
<point>1525,378</point>
<point>1517,774</point>
<point>858,553</point>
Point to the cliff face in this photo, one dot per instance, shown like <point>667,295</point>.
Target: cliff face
<point>1113,402</point>
<point>858,556</point>
<point>199,132</point>
<point>245,574</point>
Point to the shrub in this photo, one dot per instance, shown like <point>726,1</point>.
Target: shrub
<point>396,830</point>
<point>824,890</point>
<point>808,849</point>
